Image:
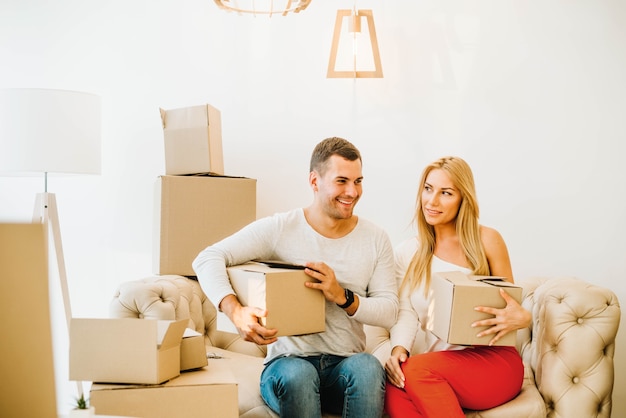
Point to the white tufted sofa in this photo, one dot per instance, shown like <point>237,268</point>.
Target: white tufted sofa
<point>568,350</point>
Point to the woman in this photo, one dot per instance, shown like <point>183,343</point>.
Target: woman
<point>446,378</point>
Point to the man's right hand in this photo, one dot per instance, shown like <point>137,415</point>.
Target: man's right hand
<point>246,319</point>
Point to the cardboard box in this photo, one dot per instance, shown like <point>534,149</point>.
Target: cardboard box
<point>193,140</point>
<point>211,391</point>
<point>192,351</point>
<point>193,212</point>
<point>27,387</point>
<point>125,350</point>
<point>293,309</point>
<point>455,295</point>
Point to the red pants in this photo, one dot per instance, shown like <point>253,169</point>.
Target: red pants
<point>440,384</point>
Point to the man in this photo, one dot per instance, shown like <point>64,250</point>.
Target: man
<point>353,261</point>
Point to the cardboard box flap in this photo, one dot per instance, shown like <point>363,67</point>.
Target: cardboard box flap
<point>494,281</point>
<point>170,333</point>
<point>190,117</point>
<point>457,276</point>
<point>193,140</point>
<point>213,175</point>
<point>256,291</point>
<point>277,264</point>
<point>271,266</point>
<point>191,333</point>
<point>129,334</point>
<point>258,267</point>
<point>487,279</point>
<point>125,350</point>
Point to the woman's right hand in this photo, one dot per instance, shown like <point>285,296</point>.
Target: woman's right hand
<point>393,366</point>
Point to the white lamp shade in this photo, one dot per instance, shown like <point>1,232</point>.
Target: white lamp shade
<point>52,131</point>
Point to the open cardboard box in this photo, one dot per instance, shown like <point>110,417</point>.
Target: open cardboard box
<point>125,350</point>
<point>192,351</point>
<point>455,295</point>
<point>293,308</point>
<point>193,140</point>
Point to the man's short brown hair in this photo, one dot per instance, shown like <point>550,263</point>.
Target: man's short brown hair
<point>329,147</point>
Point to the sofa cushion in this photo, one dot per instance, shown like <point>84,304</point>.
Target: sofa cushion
<point>528,403</point>
<point>247,370</point>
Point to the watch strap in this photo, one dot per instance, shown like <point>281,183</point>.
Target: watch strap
<point>349,299</point>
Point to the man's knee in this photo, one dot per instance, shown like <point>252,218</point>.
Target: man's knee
<point>367,367</point>
<point>293,372</point>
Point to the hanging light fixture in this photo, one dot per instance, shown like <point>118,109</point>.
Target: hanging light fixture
<point>263,7</point>
<point>354,29</point>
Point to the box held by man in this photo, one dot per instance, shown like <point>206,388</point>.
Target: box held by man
<point>293,308</point>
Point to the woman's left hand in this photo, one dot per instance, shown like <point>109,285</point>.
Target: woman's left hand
<point>510,318</point>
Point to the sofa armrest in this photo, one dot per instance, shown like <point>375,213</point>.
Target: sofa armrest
<point>570,344</point>
<point>168,297</point>
<point>173,297</point>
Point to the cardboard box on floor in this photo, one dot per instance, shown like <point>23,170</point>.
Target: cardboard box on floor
<point>193,140</point>
<point>27,387</point>
<point>193,212</point>
<point>455,295</point>
<point>293,309</point>
<point>210,391</point>
<point>125,350</point>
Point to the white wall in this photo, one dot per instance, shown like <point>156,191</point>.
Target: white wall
<point>531,94</point>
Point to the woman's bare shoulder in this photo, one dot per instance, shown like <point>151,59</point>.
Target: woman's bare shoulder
<point>491,238</point>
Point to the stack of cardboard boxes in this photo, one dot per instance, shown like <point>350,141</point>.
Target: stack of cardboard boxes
<point>195,203</point>
<point>137,364</point>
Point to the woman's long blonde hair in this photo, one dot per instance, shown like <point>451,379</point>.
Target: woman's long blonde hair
<point>467,227</point>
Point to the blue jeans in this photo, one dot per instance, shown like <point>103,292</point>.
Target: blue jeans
<point>303,387</point>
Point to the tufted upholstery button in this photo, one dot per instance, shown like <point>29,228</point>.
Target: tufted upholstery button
<point>580,320</point>
<point>576,379</point>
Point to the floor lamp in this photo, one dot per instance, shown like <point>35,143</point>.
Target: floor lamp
<point>50,131</point>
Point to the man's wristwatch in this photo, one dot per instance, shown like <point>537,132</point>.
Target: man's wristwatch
<point>349,299</point>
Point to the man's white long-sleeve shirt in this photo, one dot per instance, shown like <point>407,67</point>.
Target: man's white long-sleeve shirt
<point>362,260</point>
